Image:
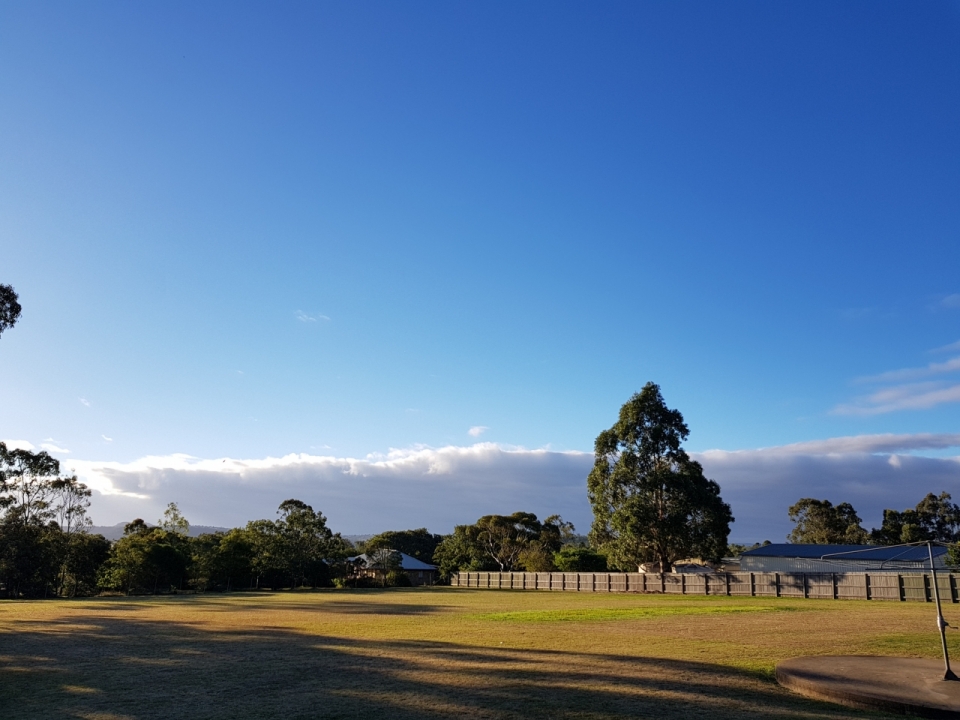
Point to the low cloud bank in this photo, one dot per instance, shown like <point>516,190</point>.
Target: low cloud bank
<point>435,488</point>
<point>441,487</point>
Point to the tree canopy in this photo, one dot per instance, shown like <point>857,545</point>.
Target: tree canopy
<point>934,518</point>
<point>503,542</point>
<point>43,519</point>
<point>419,543</point>
<point>9,308</point>
<point>819,522</point>
<point>651,502</point>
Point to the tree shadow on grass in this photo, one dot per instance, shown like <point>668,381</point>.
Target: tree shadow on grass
<point>330,604</point>
<point>112,668</point>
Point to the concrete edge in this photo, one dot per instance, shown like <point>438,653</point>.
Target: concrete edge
<point>859,701</point>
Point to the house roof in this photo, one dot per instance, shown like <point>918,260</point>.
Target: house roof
<point>916,553</point>
<point>407,562</point>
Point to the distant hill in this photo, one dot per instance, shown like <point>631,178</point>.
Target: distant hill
<point>115,532</point>
<point>357,538</point>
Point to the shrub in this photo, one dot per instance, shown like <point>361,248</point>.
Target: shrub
<point>580,559</point>
<point>398,578</point>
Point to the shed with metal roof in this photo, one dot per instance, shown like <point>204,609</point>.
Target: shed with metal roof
<point>799,558</point>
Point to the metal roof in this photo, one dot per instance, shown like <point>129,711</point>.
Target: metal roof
<point>917,553</point>
<point>407,562</point>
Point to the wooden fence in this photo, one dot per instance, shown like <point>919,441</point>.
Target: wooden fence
<point>833,586</point>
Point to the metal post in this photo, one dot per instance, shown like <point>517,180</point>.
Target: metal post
<point>941,623</point>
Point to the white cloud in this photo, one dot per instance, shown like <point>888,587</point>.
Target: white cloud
<point>440,487</point>
<point>477,430</point>
<point>84,401</point>
<point>303,317</point>
<point>866,471</point>
<point>912,396</point>
<point>883,443</point>
<point>951,301</point>
<point>949,366</point>
<point>51,447</point>
<point>906,389</point>
<point>952,347</point>
<point>18,444</point>
<point>435,488</point>
<point>108,439</point>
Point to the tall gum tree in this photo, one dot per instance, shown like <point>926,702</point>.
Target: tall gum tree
<point>651,502</point>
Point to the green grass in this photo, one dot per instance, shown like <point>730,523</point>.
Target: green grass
<point>435,653</point>
<point>635,613</point>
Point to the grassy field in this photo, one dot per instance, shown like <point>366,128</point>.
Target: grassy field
<point>440,652</point>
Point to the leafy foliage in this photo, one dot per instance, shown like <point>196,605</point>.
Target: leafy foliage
<point>819,522</point>
<point>9,308</point>
<point>43,547</point>
<point>147,559</point>
<point>419,543</point>
<point>384,561</point>
<point>173,522</point>
<point>737,549</point>
<point>934,518</point>
<point>651,502</point>
<point>572,558</point>
<point>503,542</point>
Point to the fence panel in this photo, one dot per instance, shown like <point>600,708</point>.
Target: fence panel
<point>695,584</point>
<point>716,583</point>
<point>820,585</point>
<point>945,586</point>
<point>885,586</point>
<point>852,586</point>
<point>765,584</point>
<point>741,583</point>
<point>793,585</point>
<point>916,587</point>
<point>672,583</point>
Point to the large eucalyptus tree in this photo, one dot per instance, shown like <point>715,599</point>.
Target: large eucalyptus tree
<point>651,502</point>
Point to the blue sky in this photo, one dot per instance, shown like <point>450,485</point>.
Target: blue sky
<point>244,231</point>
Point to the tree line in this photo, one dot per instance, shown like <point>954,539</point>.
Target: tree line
<point>820,522</point>
<point>45,549</point>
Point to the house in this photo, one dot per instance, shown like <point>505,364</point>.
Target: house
<point>420,573</point>
<point>797,558</point>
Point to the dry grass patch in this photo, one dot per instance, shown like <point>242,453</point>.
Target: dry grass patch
<point>441,652</point>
